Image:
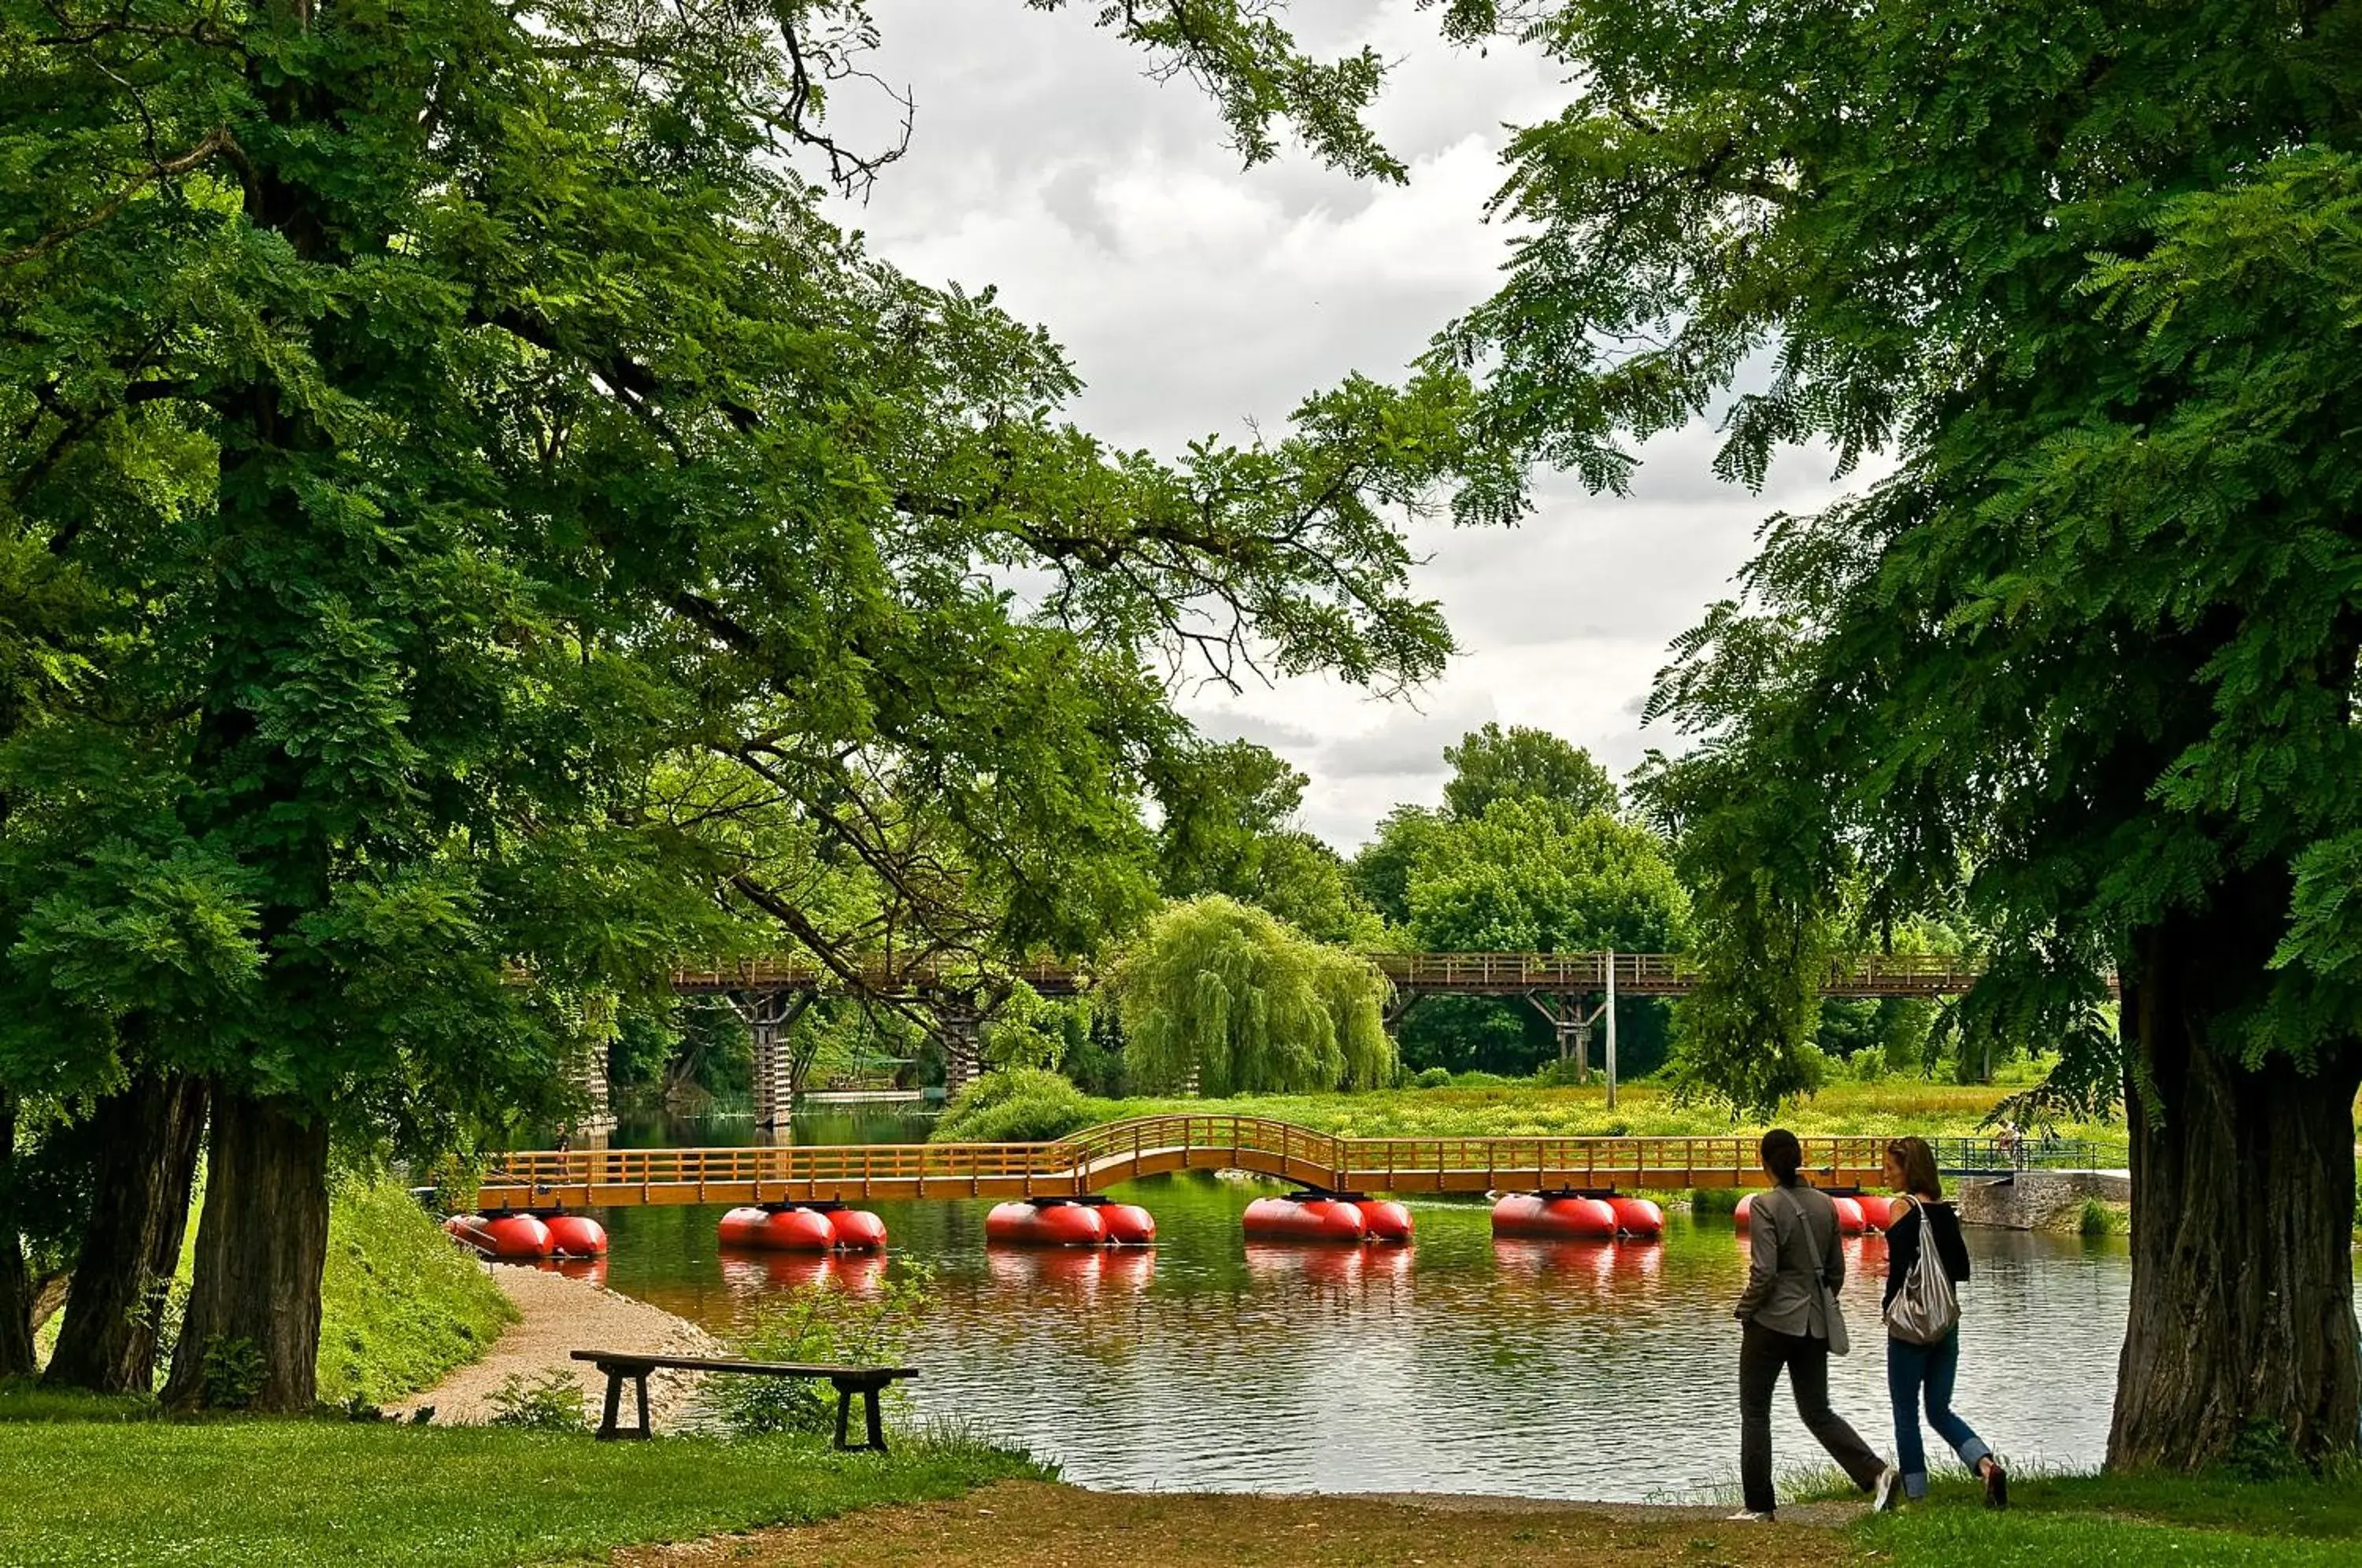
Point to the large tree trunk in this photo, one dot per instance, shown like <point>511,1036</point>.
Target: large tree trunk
<point>251,1338</point>
<point>2243,1212</point>
<point>16,1281</point>
<point>139,1212</point>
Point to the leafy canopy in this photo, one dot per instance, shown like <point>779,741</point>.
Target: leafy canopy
<point>1223,992</point>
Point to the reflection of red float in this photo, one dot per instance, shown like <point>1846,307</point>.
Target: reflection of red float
<point>1546,1218</point>
<point>1637,1218</point>
<point>1127,1224</point>
<point>858,1230</point>
<point>518,1238</point>
<point>757,1272</point>
<point>1384,1221</point>
<point>577,1236</point>
<point>1045,1224</point>
<point>590,1271</point>
<point>1304,1219</point>
<point>781,1230</point>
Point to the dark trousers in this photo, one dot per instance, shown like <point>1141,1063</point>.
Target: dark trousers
<point>1761,1354</point>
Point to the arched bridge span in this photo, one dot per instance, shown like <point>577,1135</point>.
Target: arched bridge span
<point>1098,1158</point>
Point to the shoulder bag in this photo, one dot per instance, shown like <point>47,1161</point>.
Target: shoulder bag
<point>1927,1309</point>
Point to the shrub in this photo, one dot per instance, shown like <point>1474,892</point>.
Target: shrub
<point>1024,1105</point>
<point>817,1323</point>
<point>1432,1077</point>
<point>549,1403</point>
<point>1478,1079</point>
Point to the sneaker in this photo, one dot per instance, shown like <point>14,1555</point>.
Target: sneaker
<point>1748,1516</point>
<point>1882,1495</point>
<point>1996,1487</point>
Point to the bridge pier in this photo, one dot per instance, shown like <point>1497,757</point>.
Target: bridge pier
<point>962,1058</point>
<point>768,1016</point>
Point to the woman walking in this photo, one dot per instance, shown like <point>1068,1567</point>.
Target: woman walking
<point>1926,1227</point>
<point>1790,1309</point>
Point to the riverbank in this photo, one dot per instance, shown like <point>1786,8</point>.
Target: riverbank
<point>557,1316</point>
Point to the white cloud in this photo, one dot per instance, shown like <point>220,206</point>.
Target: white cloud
<point>1196,297</point>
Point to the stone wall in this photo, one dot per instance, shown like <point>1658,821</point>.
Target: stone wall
<point>2038,1201</point>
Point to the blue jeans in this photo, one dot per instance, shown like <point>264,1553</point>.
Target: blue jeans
<point>1910,1369</point>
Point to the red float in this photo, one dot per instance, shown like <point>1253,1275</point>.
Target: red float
<point>468,1230</point>
<point>518,1238</point>
<point>1385,1221</point>
<point>781,1230</point>
<point>577,1236</point>
<point>858,1230</point>
<point>1127,1224</point>
<point>1562,1219</point>
<point>1304,1219</point>
<point>1876,1212</point>
<point>1045,1225</point>
<point>1850,1217</point>
<point>1739,1215</point>
<point>1637,1218</point>
<point>1853,1213</point>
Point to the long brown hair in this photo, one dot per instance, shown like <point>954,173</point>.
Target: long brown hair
<point>1918,1163</point>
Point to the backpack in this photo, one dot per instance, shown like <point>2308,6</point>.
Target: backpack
<point>1927,1309</point>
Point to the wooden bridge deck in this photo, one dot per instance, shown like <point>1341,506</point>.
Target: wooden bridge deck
<point>1100,1157</point>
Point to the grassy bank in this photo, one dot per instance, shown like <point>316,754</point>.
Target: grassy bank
<point>1521,1110</point>
<point>400,1306</point>
<point>86,1491</point>
<point>2130,1522</point>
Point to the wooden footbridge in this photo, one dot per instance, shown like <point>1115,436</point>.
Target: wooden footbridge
<point>1099,1157</point>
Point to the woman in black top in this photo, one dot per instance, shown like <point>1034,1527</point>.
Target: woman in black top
<point>1917,1370</point>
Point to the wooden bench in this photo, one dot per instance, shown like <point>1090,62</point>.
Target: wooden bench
<point>866,1381</point>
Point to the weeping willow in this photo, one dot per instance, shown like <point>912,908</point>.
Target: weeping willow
<point>1222,991</point>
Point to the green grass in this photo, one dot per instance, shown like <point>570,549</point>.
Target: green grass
<point>89,1493</point>
<point>2105,1522</point>
<point>400,1306</point>
<point>1889,1105</point>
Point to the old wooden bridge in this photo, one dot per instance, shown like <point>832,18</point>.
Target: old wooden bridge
<point>1098,1158</point>
<point>1573,990</point>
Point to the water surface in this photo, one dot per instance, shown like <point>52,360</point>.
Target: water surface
<point>1457,1363</point>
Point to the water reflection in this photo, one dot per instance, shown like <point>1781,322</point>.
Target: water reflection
<point>1457,1362</point>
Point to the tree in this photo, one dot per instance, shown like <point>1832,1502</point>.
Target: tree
<point>1224,994</point>
<point>422,426</point>
<point>1531,876</point>
<point>1382,871</point>
<point>1520,763</point>
<point>1233,832</point>
<point>2085,660</point>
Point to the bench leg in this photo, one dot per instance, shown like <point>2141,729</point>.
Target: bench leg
<point>640,1384</point>
<point>615,1397</point>
<point>876,1428</point>
<point>843,1409</point>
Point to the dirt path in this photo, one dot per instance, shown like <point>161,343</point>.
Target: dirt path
<point>557,1315</point>
<point>1034,1525</point>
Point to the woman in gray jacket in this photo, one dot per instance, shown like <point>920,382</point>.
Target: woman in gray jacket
<point>1793,1251</point>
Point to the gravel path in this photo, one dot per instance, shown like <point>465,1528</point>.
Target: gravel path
<point>557,1315</point>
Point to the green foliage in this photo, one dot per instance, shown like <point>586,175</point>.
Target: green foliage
<point>1031,1031</point>
<point>1227,993</point>
<point>1023,1104</point>
<point>1431,1078</point>
<point>1233,832</point>
<point>1524,764</point>
<point>819,1323</point>
<point>551,1402</point>
<point>250,1491</point>
<point>233,1370</point>
<point>1530,876</point>
<point>400,1306</point>
<point>1382,871</point>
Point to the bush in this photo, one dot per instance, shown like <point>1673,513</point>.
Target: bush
<point>550,1403</point>
<point>1024,1105</point>
<point>817,1323</point>
<point>1481,1080</point>
<point>1432,1077</point>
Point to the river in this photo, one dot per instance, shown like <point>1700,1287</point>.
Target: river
<point>1458,1363</point>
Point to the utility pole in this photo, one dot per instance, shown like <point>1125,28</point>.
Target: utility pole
<point>1610,1011</point>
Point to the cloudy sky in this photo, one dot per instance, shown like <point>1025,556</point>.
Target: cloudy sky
<point>1194,297</point>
